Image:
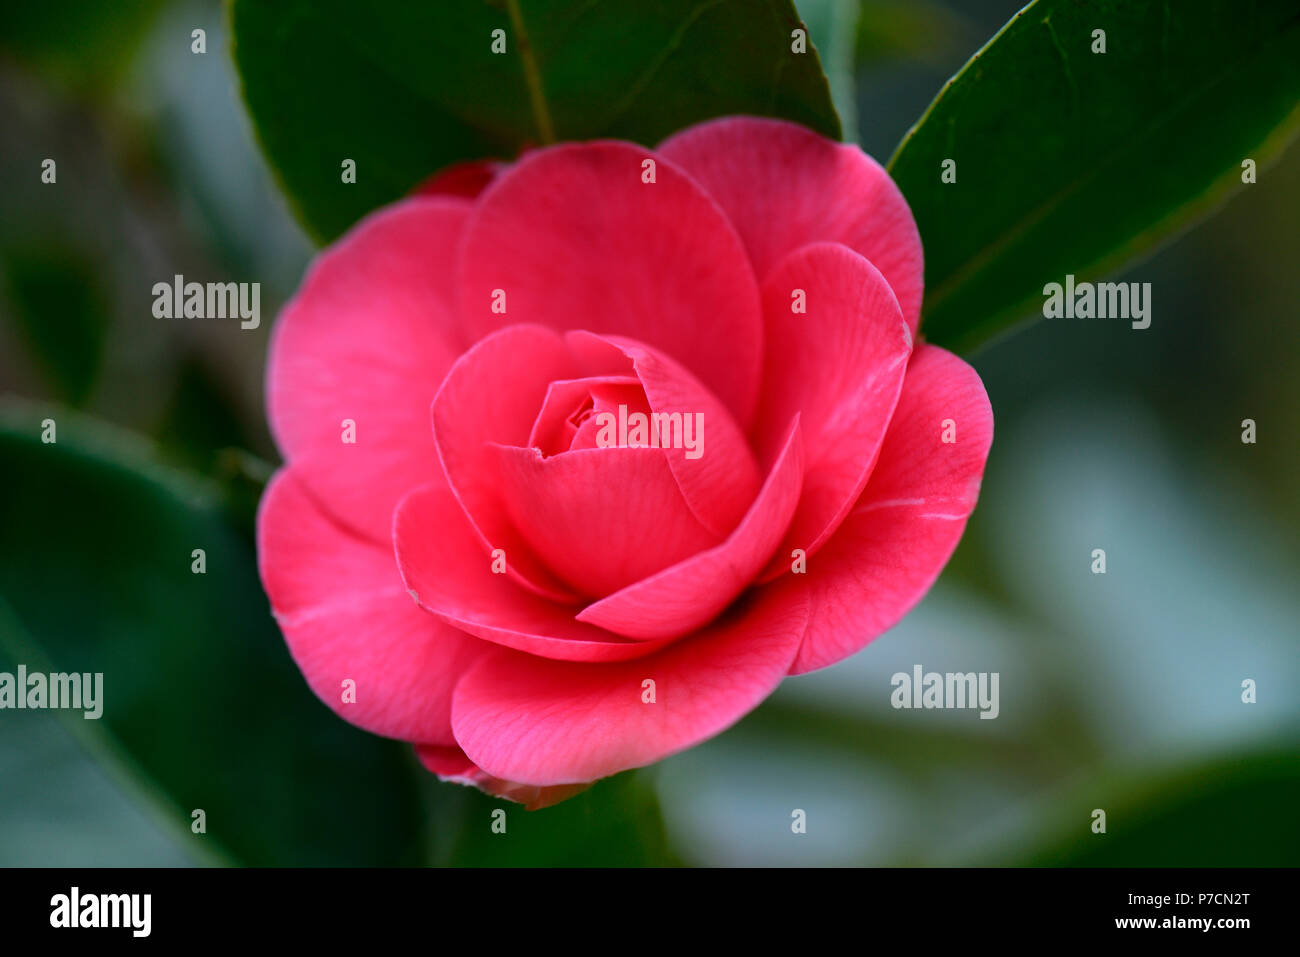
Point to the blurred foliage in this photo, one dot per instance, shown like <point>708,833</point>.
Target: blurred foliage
<point>200,424</point>
<point>43,281</point>
<point>82,45</point>
<point>97,575</point>
<point>1239,807</point>
<point>920,30</point>
<point>832,27</point>
<point>614,823</point>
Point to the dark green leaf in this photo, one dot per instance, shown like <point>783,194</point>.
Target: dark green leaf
<point>1234,810</point>
<point>203,707</point>
<point>61,312</point>
<point>614,823</point>
<point>406,88</point>
<point>1070,161</point>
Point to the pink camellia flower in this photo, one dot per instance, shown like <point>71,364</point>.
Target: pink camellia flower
<point>465,553</point>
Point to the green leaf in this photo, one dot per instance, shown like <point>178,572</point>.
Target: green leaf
<point>60,808</point>
<point>202,706</point>
<point>1232,811</point>
<point>1070,161</point>
<point>614,823</point>
<point>406,88</point>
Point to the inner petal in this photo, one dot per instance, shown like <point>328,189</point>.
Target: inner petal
<point>620,416</point>
<point>600,518</point>
<point>569,405</point>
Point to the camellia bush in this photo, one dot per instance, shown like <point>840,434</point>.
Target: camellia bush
<point>620,388</point>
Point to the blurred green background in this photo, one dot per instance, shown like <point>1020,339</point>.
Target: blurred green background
<point>1119,691</point>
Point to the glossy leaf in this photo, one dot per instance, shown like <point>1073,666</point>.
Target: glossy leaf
<point>406,88</point>
<point>1074,161</point>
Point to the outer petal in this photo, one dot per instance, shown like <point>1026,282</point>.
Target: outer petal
<point>446,571</point>
<point>691,593</point>
<point>493,394</point>
<point>346,615</point>
<point>550,722</point>
<point>839,365</point>
<point>450,764</point>
<point>600,518</point>
<point>891,548</point>
<point>783,186</point>
<point>576,240</point>
<point>368,338</point>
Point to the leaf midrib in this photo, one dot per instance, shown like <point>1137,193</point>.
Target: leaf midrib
<point>532,76</point>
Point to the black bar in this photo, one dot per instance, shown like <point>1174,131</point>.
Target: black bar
<point>216,906</point>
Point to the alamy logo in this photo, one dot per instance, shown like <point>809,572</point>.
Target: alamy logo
<point>1103,300</point>
<point>214,300</point>
<point>951,690</point>
<point>82,692</point>
<point>657,430</point>
<point>102,910</point>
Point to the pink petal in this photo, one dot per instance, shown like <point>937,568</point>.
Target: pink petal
<point>687,595</point>
<point>346,615</point>
<point>443,565</point>
<point>368,338</point>
<point>556,427</point>
<point>576,240</point>
<point>600,518</point>
<point>722,478</point>
<point>450,764</point>
<point>840,367</point>
<point>547,723</point>
<point>493,393</point>
<point>895,542</point>
<point>783,186</point>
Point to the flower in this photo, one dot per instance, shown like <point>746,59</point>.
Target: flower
<point>464,552</point>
